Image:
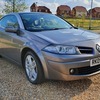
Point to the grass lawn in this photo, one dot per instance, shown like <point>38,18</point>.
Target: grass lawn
<point>84,23</point>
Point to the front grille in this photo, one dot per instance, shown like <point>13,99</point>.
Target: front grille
<point>85,50</point>
<point>85,70</point>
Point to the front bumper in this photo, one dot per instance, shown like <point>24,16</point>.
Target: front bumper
<point>70,67</point>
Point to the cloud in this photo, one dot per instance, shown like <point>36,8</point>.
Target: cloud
<point>86,2</point>
<point>96,3</point>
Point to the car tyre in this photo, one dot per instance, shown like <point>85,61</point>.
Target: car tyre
<point>33,68</point>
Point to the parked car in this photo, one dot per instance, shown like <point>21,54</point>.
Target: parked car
<point>49,47</point>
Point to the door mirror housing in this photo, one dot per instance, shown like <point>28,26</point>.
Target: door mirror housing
<point>11,29</point>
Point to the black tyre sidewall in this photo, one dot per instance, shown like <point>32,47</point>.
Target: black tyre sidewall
<point>40,74</point>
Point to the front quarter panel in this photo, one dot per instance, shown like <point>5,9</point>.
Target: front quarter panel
<point>36,44</point>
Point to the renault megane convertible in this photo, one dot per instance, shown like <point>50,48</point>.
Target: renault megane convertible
<point>48,47</point>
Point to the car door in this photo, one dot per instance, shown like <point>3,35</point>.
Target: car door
<point>10,42</point>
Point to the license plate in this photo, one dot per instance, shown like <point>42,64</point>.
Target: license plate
<point>95,61</point>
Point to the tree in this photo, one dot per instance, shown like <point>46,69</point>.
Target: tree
<point>14,6</point>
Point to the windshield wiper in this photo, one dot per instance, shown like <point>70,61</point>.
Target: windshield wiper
<point>57,28</point>
<point>35,30</point>
<point>39,30</point>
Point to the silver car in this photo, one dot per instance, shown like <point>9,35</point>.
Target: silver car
<point>49,47</point>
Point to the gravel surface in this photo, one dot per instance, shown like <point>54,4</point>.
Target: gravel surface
<point>15,86</point>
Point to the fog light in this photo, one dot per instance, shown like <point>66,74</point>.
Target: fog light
<point>71,71</point>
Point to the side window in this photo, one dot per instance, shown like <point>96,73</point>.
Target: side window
<point>9,20</point>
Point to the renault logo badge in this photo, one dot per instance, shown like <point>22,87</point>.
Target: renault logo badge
<point>98,47</point>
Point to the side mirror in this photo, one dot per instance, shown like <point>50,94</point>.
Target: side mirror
<point>11,29</point>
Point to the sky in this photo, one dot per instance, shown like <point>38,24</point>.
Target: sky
<point>53,4</point>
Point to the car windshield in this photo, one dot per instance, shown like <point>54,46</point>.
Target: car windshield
<point>43,22</point>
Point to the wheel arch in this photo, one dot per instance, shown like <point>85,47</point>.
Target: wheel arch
<point>39,56</point>
<point>25,50</point>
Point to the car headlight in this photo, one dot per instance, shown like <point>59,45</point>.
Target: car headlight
<point>61,49</point>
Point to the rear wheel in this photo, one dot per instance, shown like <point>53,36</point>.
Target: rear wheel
<point>33,68</point>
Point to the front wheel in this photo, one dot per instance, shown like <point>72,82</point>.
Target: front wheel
<point>33,68</point>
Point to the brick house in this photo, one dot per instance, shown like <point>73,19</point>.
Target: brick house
<point>79,11</point>
<point>95,12</point>
<point>35,8</point>
<point>63,10</point>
